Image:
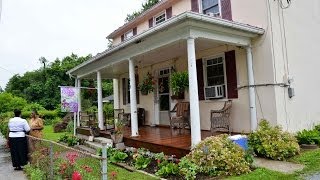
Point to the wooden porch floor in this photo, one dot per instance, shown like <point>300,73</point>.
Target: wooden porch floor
<point>157,139</point>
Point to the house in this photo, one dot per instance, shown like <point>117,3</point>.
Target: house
<point>263,55</point>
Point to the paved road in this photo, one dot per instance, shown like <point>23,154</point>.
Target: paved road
<point>6,169</point>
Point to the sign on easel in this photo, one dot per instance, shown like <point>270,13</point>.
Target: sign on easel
<point>69,99</point>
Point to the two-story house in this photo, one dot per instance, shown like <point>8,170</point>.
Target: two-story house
<point>262,55</point>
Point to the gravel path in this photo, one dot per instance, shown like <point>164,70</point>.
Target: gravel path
<point>6,169</point>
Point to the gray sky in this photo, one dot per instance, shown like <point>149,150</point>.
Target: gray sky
<point>30,29</point>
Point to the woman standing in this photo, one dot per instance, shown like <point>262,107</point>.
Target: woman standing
<point>36,125</point>
<point>18,141</point>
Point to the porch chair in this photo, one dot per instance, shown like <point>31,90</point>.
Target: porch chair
<point>182,115</point>
<point>120,115</point>
<point>220,118</point>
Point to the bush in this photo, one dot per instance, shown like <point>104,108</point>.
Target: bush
<point>70,127</point>
<point>69,139</point>
<point>272,142</point>
<point>10,102</point>
<point>168,169</point>
<point>217,155</point>
<point>308,137</point>
<point>55,121</point>
<point>47,116</point>
<point>33,106</point>
<point>317,127</point>
<point>4,129</point>
<point>188,169</point>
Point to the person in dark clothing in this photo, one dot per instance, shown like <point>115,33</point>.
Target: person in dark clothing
<point>18,128</point>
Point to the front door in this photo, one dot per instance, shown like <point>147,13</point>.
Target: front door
<point>164,96</point>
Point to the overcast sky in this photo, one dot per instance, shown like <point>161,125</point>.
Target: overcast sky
<point>30,29</point>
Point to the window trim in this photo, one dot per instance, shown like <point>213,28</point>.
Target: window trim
<point>205,78</point>
<point>201,7</point>
<point>125,34</point>
<point>159,14</point>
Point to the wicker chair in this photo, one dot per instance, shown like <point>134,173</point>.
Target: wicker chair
<point>182,114</point>
<point>220,118</point>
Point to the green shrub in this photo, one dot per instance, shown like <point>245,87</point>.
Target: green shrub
<point>4,129</point>
<point>273,142</point>
<point>33,106</point>
<point>217,155</point>
<point>118,156</point>
<point>168,169</point>
<point>179,81</point>
<point>317,127</point>
<point>10,102</point>
<point>69,139</point>
<point>70,127</point>
<point>141,162</point>
<point>55,121</point>
<point>188,169</point>
<point>108,109</point>
<point>308,137</point>
<point>46,115</point>
<point>34,173</point>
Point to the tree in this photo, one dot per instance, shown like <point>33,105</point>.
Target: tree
<point>145,6</point>
<point>34,89</point>
<point>1,90</point>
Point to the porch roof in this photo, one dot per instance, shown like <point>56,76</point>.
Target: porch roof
<point>183,26</point>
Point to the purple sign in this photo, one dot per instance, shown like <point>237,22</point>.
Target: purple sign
<point>69,99</point>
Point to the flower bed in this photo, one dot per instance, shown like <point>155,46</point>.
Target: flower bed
<point>215,156</point>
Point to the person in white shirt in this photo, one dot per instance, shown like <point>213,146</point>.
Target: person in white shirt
<point>18,128</point>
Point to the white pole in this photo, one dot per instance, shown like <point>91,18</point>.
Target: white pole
<point>100,104</point>
<point>79,101</point>
<point>252,96</point>
<point>133,100</point>
<point>193,90</point>
<point>75,113</point>
<point>116,97</point>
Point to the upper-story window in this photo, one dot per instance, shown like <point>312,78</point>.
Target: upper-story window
<point>128,34</point>
<point>160,18</point>
<point>211,7</point>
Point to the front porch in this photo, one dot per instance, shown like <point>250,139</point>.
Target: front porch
<point>188,42</point>
<point>156,139</point>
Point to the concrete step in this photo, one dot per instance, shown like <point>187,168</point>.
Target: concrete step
<point>93,145</point>
<point>87,138</point>
<point>86,149</point>
<point>102,140</point>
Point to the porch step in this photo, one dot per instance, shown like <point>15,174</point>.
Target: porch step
<point>102,140</point>
<point>86,149</point>
<point>93,145</point>
<point>87,138</point>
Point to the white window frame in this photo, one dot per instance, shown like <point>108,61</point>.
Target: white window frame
<point>127,33</point>
<point>201,7</point>
<point>158,15</point>
<point>204,64</point>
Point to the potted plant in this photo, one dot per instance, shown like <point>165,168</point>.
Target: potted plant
<point>117,133</point>
<point>110,123</point>
<point>147,85</point>
<point>179,82</point>
<point>308,139</point>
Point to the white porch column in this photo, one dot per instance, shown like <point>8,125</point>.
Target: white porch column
<point>100,104</point>
<point>116,97</point>
<point>133,100</point>
<point>252,95</point>
<point>193,90</point>
<point>79,101</point>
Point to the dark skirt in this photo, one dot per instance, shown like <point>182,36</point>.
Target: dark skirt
<point>19,151</point>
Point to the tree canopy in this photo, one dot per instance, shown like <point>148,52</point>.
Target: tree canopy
<point>145,6</point>
<point>42,85</point>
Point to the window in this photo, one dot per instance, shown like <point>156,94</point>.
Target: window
<point>128,34</point>
<point>160,18</point>
<point>211,7</point>
<point>214,73</point>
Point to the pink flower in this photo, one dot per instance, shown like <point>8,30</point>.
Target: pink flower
<point>76,176</point>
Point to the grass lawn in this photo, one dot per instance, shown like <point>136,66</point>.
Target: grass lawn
<point>120,172</point>
<point>311,160</point>
<point>50,135</point>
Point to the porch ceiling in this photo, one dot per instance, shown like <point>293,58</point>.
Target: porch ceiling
<point>167,41</point>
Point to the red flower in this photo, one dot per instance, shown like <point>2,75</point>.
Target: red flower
<point>158,161</point>
<point>113,174</point>
<point>76,176</point>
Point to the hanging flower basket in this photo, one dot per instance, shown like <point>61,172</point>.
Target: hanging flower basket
<point>147,85</point>
<point>179,82</point>
<point>180,95</point>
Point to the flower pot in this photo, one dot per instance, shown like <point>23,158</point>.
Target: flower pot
<point>117,138</point>
<point>309,146</point>
<point>144,93</point>
<point>178,96</point>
